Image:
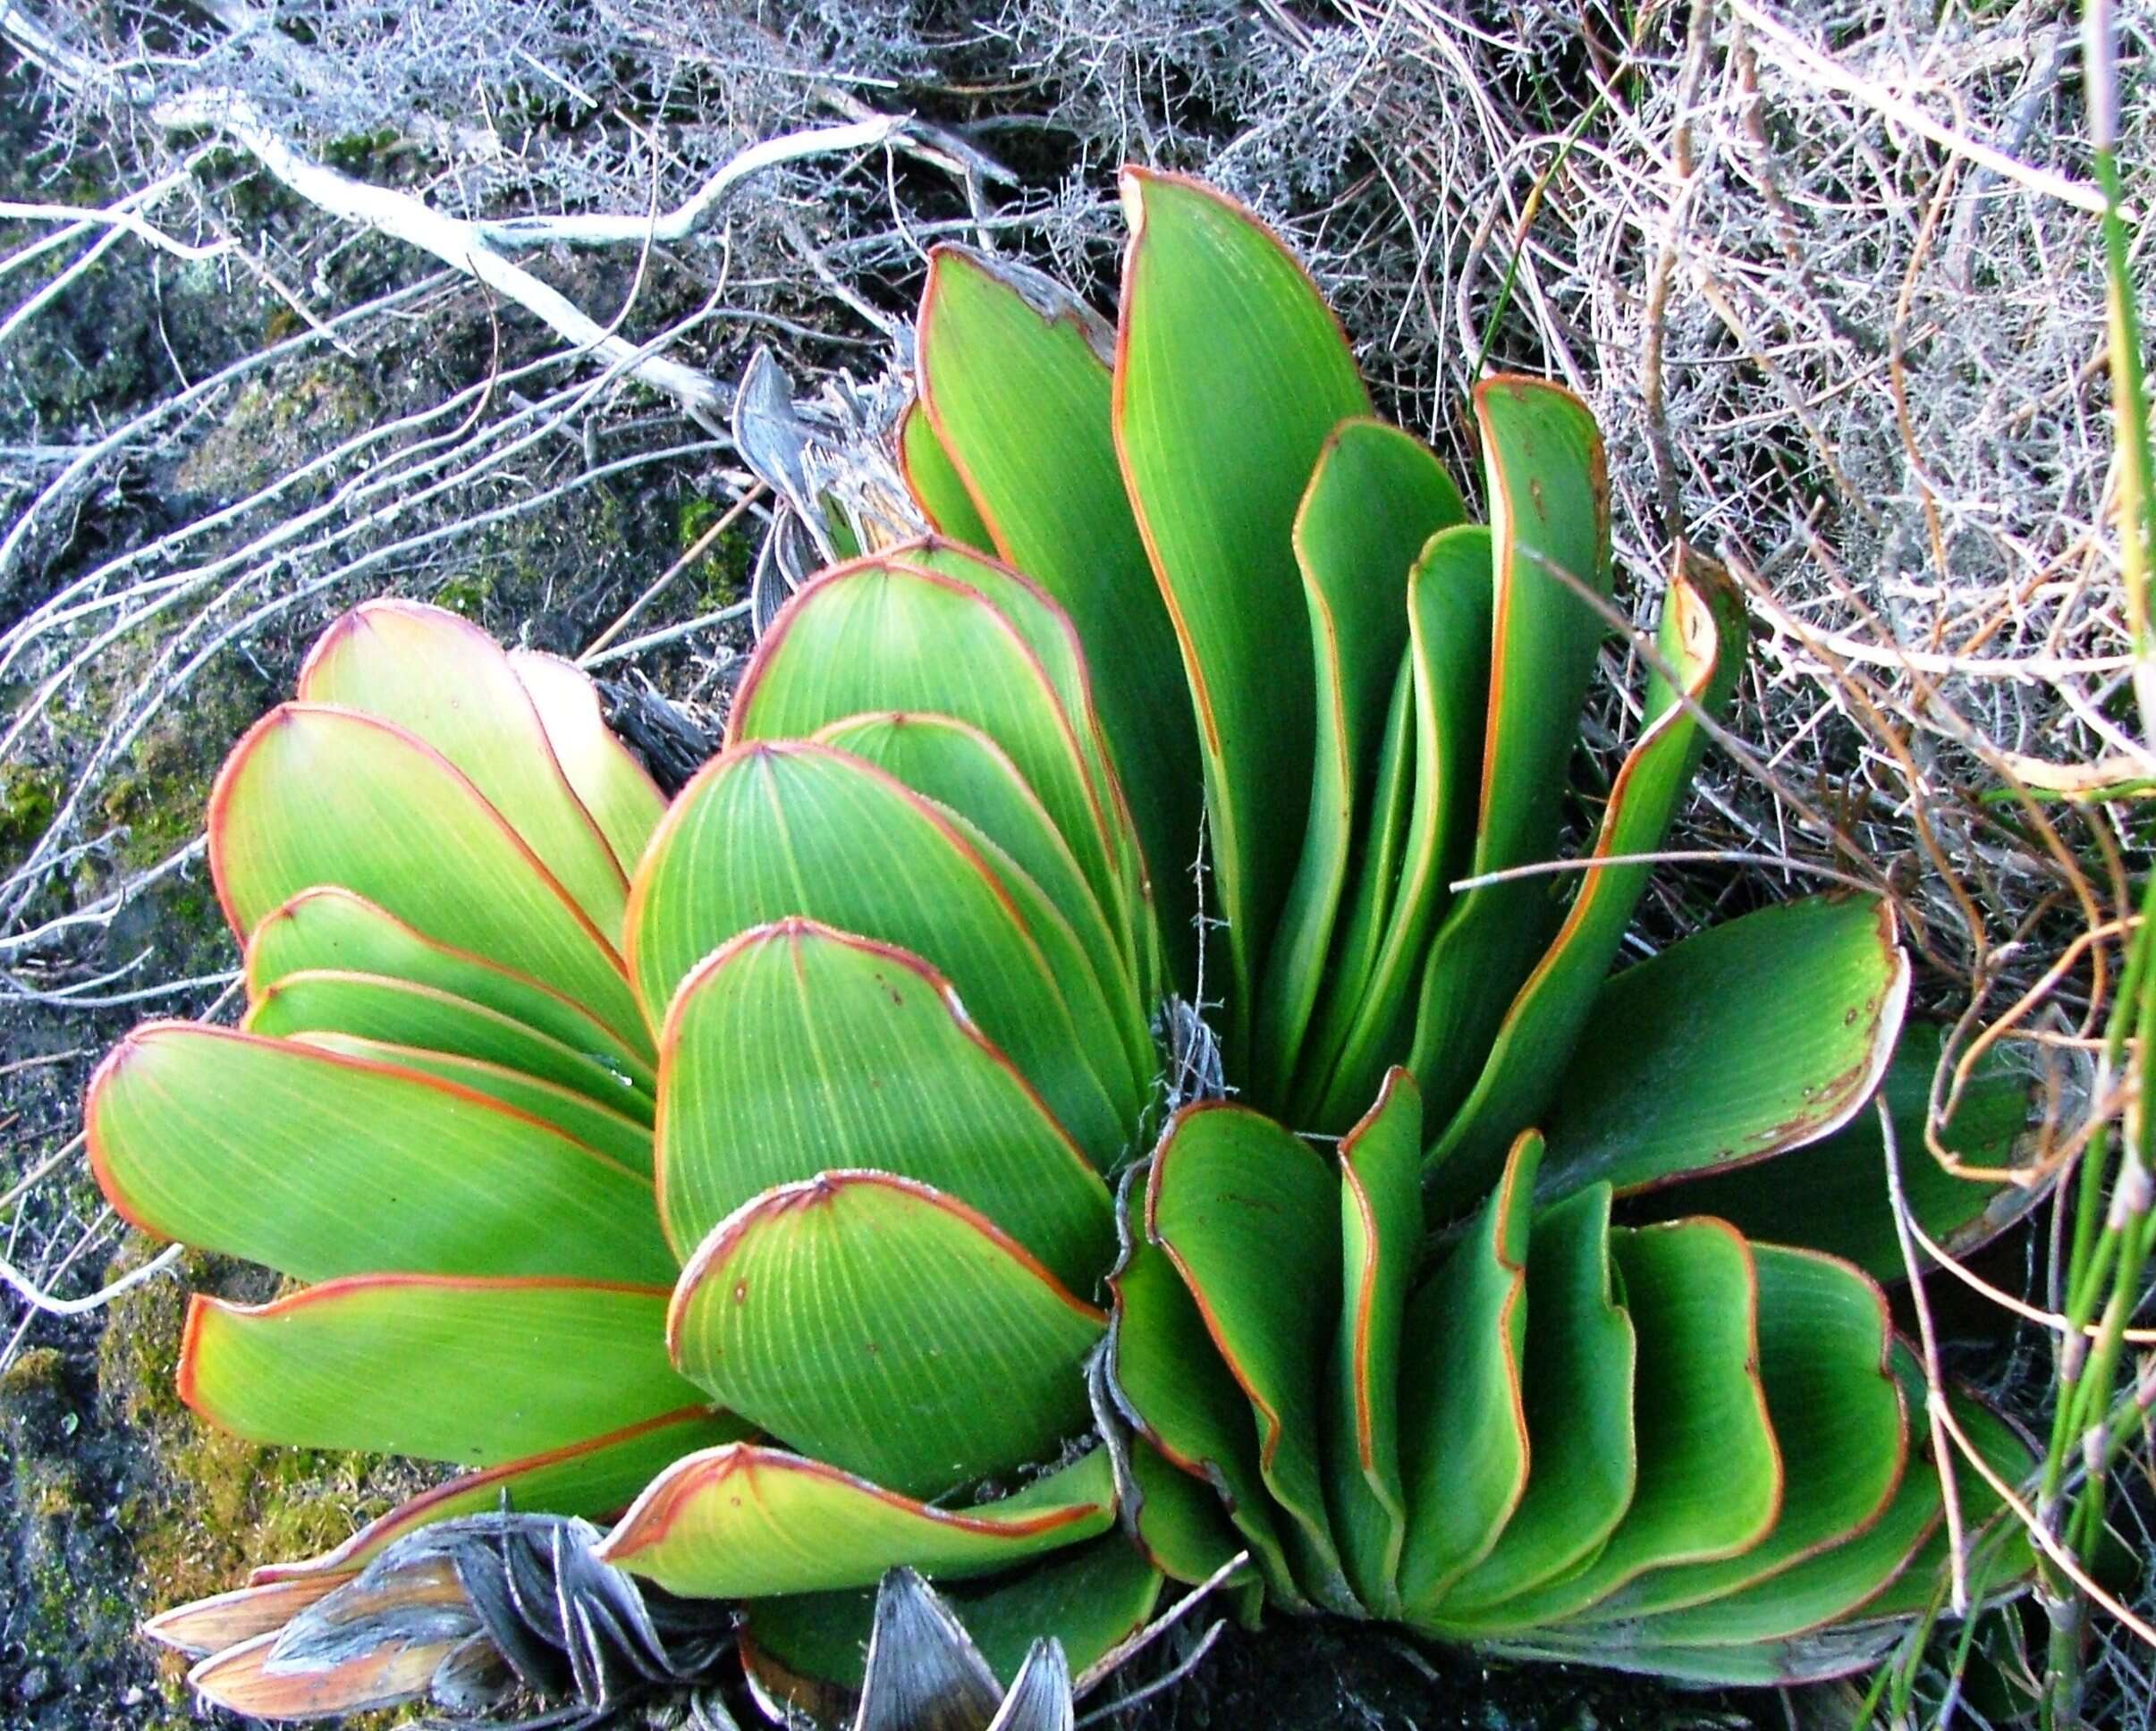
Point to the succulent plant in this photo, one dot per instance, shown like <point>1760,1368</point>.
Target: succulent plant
<point>802,1166</point>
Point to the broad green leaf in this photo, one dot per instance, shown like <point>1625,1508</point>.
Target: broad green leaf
<point>579,1117</point>
<point>936,485</point>
<point>1463,1418</point>
<point>744,1521</point>
<point>1710,1477</point>
<point>962,768</point>
<point>444,681</point>
<point>1381,1211</point>
<point>595,1479</point>
<point>768,831</point>
<point>314,796</point>
<point>882,636</point>
<point>1831,1194</point>
<point>865,1319</point>
<point>1549,498</point>
<point>1018,387</point>
<point>1847,1579</point>
<point>1755,1036</point>
<point>1169,1381</point>
<point>1825,1352</point>
<point>320,1166</point>
<point>1998,1541</point>
<point>1550,533</point>
<point>1448,601</point>
<point>398,1013</point>
<point>1175,1518</point>
<point>1579,1366</point>
<point>446,1369</point>
<point>1247,1213</point>
<point>1087,1599</point>
<point>332,929</point>
<point>1230,374</point>
<point>1815,1658</point>
<point>1702,640</point>
<point>616,790</point>
<point>1055,640</point>
<point>797,1049</point>
<point>1378,853</point>
<point>1376,497</point>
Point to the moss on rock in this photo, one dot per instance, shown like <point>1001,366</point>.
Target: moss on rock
<point>211,1505</point>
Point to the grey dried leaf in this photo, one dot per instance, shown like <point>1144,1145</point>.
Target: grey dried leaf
<point>771,437</point>
<point>1040,1698</point>
<point>924,1672</point>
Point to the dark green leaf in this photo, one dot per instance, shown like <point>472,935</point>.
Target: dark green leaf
<point>1230,373</point>
<point>1381,1213</point>
<point>1376,497</point>
<point>1249,1215</point>
<point>1580,1362</point>
<point>1463,1420</point>
<point>1753,1036</point>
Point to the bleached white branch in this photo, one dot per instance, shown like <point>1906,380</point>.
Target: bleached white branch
<point>455,241</point>
<point>697,213</point>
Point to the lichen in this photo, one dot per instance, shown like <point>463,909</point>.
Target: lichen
<point>276,423</point>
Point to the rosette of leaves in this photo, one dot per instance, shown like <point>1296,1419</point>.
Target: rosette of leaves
<point>793,1166</point>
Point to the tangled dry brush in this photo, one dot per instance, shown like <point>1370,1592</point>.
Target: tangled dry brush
<point>314,300</point>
